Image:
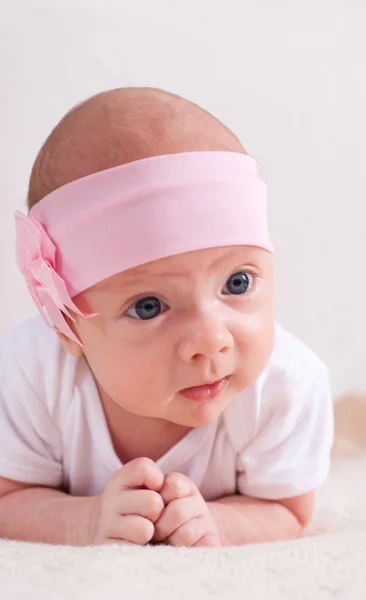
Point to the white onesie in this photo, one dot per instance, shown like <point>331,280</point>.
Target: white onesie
<point>272,441</point>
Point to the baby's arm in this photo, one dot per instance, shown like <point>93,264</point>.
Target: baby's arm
<point>244,520</point>
<point>39,514</point>
<point>187,520</point>
<point>125,512</point>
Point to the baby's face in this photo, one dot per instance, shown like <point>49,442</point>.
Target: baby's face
<point>177,323</point>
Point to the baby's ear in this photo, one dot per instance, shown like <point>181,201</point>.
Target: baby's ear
<point>70,346</point>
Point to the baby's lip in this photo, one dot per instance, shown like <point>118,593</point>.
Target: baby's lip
<point>206,391</point>
<point>208,382</point>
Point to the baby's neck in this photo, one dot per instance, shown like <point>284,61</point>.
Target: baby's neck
<point>134,436</point>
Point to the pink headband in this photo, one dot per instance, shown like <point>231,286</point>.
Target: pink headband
<point>114,220</point>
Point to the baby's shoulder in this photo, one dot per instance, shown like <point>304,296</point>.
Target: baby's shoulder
<point>291,362</point>
<point>30,343</point>
<point>294,379</point>
<point>32,359</point>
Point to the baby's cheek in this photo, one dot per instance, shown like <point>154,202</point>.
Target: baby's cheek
<point>132,378</point>
<point>255,345</point>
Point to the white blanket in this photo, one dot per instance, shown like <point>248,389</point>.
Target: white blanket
<point>330,564</point>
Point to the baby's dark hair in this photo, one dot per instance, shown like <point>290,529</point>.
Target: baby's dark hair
<point>120,126</point>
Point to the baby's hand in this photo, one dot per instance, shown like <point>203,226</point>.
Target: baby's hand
<point>125,512</point>
<point>186,519</point>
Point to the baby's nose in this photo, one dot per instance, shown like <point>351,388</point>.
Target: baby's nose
<point>206,337</point>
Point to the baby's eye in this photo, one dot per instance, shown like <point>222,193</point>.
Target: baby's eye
<point>238,283</point>
<point>146,308</point>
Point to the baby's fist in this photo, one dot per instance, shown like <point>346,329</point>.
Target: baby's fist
<point>129,505</point>
<point>186,519</point>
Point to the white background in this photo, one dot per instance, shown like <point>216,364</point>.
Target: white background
<point>287,76</point>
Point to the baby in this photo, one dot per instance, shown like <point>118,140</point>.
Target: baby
<point>160,401</point>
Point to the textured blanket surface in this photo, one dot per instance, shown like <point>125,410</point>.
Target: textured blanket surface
<point>329,563</point>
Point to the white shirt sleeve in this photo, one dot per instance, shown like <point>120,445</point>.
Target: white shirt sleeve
<point>30,444</point>
<point>290,453</point>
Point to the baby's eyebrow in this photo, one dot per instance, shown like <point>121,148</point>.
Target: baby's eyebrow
<point>151,275</point>
<point>143,272</point>
<point>130,279</point>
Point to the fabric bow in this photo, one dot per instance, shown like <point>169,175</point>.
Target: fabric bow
<point>35,256</point>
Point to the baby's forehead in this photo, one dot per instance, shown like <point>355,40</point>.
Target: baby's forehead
<point>207,262</point>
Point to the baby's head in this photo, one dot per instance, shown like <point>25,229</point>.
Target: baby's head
<point>167,292</point>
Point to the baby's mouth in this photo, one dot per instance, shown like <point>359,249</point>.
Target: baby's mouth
<point>207,391</point>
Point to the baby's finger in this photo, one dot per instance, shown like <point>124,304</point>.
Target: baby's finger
<point>145,503</point>
<point>175,486</point>
<point>138,473</point>
<point>189,533</point>
<point>209,539</point>
<point>131,528</point>
<point>177,513</point>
